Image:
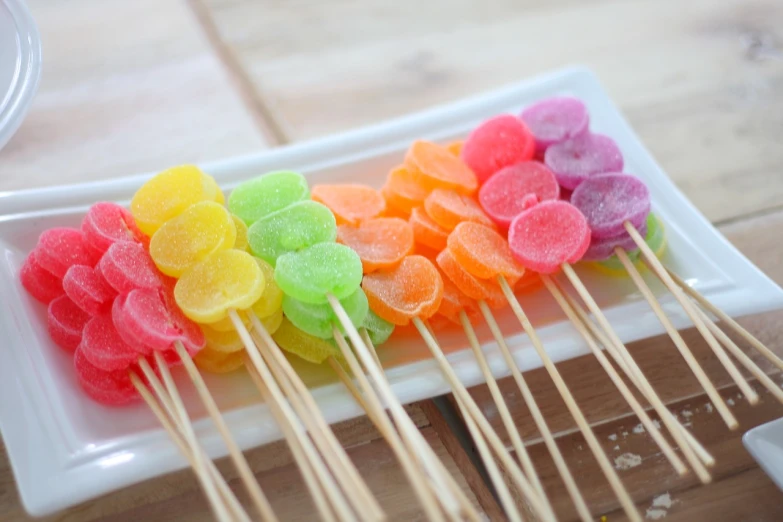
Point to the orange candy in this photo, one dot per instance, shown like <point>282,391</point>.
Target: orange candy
<point>350,204</point>
<point>470,285</point>
<point>381,243</point>
<point>435,167</point>
<point>412,289</point>
<point>454,301</point>
<point>529,282</point>
<point>449,208</point>
<point>455,147</point>
<point>426,232</point>
<point>484,253</point>
<point>402,191</point>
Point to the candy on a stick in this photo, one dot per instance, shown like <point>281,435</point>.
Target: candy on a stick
<point>655,237</point>
<point>603,248</point>
<point>402,191</point>
<point>351,204</point>
<point>433,166</point>
<point>112,388</point>
<point>212,190</point>
<point>39,283</point>
<point>65,322</point>
<point>306,346</point>
<point>516,188</point>
<point>127,266</point>
<point>213,361</point>
<point>291,229</point>
<point>381,243</point>
<point>326,268</point>
<point>609,200</point>
<point>103,347</point>
<point>217,341</point>
<point>554,120</point>
<point>497,143</point>
<point>455,147</point>
<point>271,299</point>
<point>59,249</point>
<point>426,232</point>
<point>317,319</point>
<point>106,223</point>
<point>87,288</point>
<point>483,252</point>
<point>261,196</point>
<point>470,285</point>
<point>379,330</point>
<point>575,160</point>
<point>454,302</point>
<point>448,208</point>
<point>241,241</point>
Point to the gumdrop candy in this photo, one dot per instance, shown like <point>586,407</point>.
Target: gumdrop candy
<point>308,347</point>
<point>241,241</point>
<point>272,322</point>
<point>59,249</point>
<point>317,319</point>
<point>608,201</point>
<point>575,160</point>
<point>514,189</point>
<point>351,204</point>
<point>479,289</point>
<point>39,283</point>
<point>554,120</point>
<point>213,361</point>
<point>455,147</point>
<point>426,232</point>
<point>379,330</point>
<point>65,322</point>
<point>106,223</point>
<point>261,196</point>
<point>225,342</point>
<point>109,388</point>
<point>272,297</point>
<point>433,166</point>
<point>497,143</point>
<point>381,243</point>
<point>656,235</point>
<point>88,289</point>
<point>326,268</point>
<point>212,190</point>
<point>403,192</point>
<point>103,347</point>
<point>454,302</point>
<point>449,208</point>
<point>127,266</point>
<point>603,248</point>
<point>484,253</point>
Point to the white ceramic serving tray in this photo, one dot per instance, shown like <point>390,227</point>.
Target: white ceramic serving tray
<point>765,443</point>
<point>65,449</point>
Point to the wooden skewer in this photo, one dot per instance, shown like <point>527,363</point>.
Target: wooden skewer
<point>303,403</point>
<point>634,373</point>
<point>723,316</point>
<point>516,440</point>
<point>658,269</point>
<point>627,394</point>
<point>538,417</point>
<point>598,452</point>
<point>679,342</point>
<point>175,433</point>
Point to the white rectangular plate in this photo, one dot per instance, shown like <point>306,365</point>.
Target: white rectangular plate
<point>65,449</point>
<point>765,443</point>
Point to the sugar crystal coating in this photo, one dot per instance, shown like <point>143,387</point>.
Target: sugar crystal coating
<point>241,241</point>
<point>454,302</point>
<point>350,203</point>
<point>326,268</point>
<point>65,322</point>
<point>470,285</point>
<point>109,388</point>
<point>317,319</point>
<point>555,119</point>
<point>127,265</point>
<point>609,200</point>
<point>272,297</point>
<point>59,249</point>
<point>575,160</point>
<point>497,143</point>
<point>106,223</point>
<point>214,361</point>
<point>212,190</point>
<point>308,347</point>
<point>103,347</point>
<point>39,283</point>
<point>88,289</point>
<point>403,192</point>
<point>226,342</point>
<point>433,166</point>
<point>381,243</point>
<point>426,232</point>
<point>266,194</point>
<point>379,330</point>
<point>603,248</point>
<point>484,253</point>
<point>515,188</point>
<point>449,208</point>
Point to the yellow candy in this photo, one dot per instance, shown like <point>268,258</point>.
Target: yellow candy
<point>212,190</point>
<point>272,298</point>
<point>226,342</point>
<point>191,237</point>
<point>169,194</point>
<point>229,279</point>
<point>219,362</point>
<point>310,348</point>
<point>272,322</point>
<point>225,324</point>
<point>241,241</point>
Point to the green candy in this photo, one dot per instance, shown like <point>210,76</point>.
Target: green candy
<point>295,227</point>
<point>310,348</point>
<point>317,319</point>
<point>655,239</point>
<point>265,194</point>
<point>378,329</point>
<point>325,268</point>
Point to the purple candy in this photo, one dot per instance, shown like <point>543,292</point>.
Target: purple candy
<point>602,249</point>
<point>609,200</point>
<point>576,159</point>
<point>554,120</point>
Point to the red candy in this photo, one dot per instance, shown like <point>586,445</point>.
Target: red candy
<point>110,388</point>
<point>39,283</point>
<point>103,347</point>
<point>548,235</point>
<point>497,143</point>
<point>516,188</point>
<point>60,248</point>
<point>127,266</point>
<point>65,322</point>
<point>88,289</point>
<point>107,223</point>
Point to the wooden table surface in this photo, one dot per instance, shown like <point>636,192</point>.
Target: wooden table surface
<point>136,86</point>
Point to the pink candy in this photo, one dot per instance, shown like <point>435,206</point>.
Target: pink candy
<point>609,200</point>
<point>60,248</point>
<point>88,289</point>
<point>601,249</point>
<point>112,388</point>
<point>127,266</point>
<point>575,160</point>
<point>107,223</point>
<point>65,322</point>
<point>555,120</point>
<point>498,142</point>
<point>516,188</point>
<point>39,283</point>
<point>103,347</point>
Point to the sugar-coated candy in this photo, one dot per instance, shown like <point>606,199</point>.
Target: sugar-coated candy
<point>603,248</point>
<point>484,253</point>
<point>127,266</point>
<point>381,243</point>
<point>529,282</point>
<point>433,166</point>
<point>448,208</point>
<point>261,196</point>
<point>272,322</point>
<point>272,297</point>
<point>212,190</point>
<point>110,388</point>
<point>103,347</point>
<point>291,229</point>
<point>379,330</point>
<point>106,223</point>
<point>516,188</point>
<point>143,322</point>
<point>656,235</point>
<point>426,232</point>
<point>65,322</point>
<point>226,325</point>
<point>317,319</point>
<point>413,289</point>
<point>350,203</point>
<point>59,249</point>
<point>213,361</point>
<point>609,200</point>
<point>167,195</point>
<point>308,347</point>
<point>241,241</point>
<point>229,279</point>
<point>226,342</point>
<point>470,285</point>
<point>548,235</point>
<point>454,302</point>
<point>497,143</point>
<point>88,289</point>
<point>556,119</point>
<point>39,283</point>
<point>402,191</point>
<point>574,160</point>
<point>455,147</point>
<point>326,268</point>
<point>197,233</point>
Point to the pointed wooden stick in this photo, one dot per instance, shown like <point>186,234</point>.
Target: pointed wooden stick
<point>723,316</point>
<point>511,429</point>
<point>627,394</point>
<point>679,342</point>
<point>658,269</point>
<point>598,452</point>
<point>538,417</point>
<point>623,359</point>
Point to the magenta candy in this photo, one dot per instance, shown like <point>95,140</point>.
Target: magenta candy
<point>103,347</point>
<point>497,143</point>
<point>548,235</point>
<point>112,388</point>
<point>88,289</point>
<point>609,200</point>
<point>60,248</point>
<point>575,160</point>
<point>106,223</point>
<point>554,120</point>
<point>516,188</point>
<point>39,283</point>
<point>602,249</point>
<point>127,266</point>
<point>65,322</point>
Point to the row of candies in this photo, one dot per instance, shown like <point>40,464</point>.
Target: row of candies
<point>522,195</point>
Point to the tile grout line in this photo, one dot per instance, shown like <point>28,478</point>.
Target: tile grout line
<point>258,108</point>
